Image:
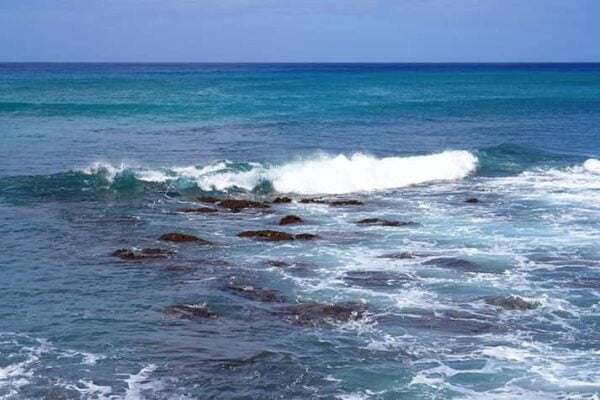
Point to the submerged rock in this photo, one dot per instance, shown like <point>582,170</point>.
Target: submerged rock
<point>510,303</point>
<point>256,294</point>
<point>129,254</point>
<point>197,210</point>
<point>334,203</point>
<point>313,201</point>
<point>316,314</point>
<point>208,199</point>
<point>234,205</point>
<point>471,200</point>
<point>267,235</point>
<point>306,236</point>
<point>277,263</point>
<point>182,237</point>
<point>190,311</point>
<point>385,222</point>
<point>403,255</point>
<point>284,199</point>
<point>290,219</point>
<point>454,263</point>
<point>337,203</point>
<point>375,278</point>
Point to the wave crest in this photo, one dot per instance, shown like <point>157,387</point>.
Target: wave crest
<point>341,174</point>
<point>322,174</point>
<point>592,166</point>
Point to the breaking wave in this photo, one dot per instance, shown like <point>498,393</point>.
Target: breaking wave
<point>323,174</point>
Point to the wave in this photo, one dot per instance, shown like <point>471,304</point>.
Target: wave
<point>592,166</point>
<point>321,174</point>
<point>567,185</point>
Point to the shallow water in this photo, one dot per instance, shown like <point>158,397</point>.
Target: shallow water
<point>95,158</point>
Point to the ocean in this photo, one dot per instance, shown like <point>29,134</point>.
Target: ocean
<point>455,208</point>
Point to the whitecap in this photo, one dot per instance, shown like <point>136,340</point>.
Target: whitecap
<point>319,174</point>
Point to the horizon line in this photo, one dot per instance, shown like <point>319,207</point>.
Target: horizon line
<point>301,62</point>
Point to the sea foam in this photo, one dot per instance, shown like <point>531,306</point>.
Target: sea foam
<point>592,166</point>
<point>320,174</point>
<point>360,172</point>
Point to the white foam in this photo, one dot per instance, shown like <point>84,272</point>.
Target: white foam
<point>109,170</point>
<point>138,383</point>
<point>321,174</point>
<point>575,184</point>
<point>341,174</point>
<point>592,166</point>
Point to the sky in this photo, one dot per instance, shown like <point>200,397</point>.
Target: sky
<point>300,30</point>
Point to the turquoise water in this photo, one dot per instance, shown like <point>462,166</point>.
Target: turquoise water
<point>99,157</point>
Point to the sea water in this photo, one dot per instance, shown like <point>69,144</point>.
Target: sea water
<point>99,157</point>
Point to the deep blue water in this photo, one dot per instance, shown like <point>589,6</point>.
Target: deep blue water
<point>99,157</point>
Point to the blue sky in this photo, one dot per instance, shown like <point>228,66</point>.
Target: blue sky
<point>300,30</point>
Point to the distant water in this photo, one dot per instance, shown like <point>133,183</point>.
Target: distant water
<point>99,157</point>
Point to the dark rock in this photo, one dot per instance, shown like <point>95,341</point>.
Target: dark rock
<point>313,201</point>
<point>182,237</point>
<point>316,314</point>
<point>510,303</point>
<point>256,294</point>
<point>471,200</point>
<point>403,255</point>
<point>189,311</point>
<point>279,200</point>
<point>385,222</point>
<point>208,199</point>
<point>337,203</point>
<point>239,205</point>
<point>332,202</point>
<point>200,210</point>
<point>453,263</point>
<point>375,278</point>
<point>290,219</point>
<point>306,236</point>
<point>127,254</point>
<point>267,235</point>
<point>277,263</point>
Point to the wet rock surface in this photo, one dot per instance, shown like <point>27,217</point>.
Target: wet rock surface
<point>334,203</point>
<point>317,314</point>
<point>290,219</point>
<point>375,278</point>
<point>510,303</point>
<point>200,210</point>
<point>385,222</point>
<point>190,311</point>
<point>339,203</point>
<point>254,293</point>
<point>454,263</point>
<point>235,205</point>
<point>306,236</point>
<point>182,238</point>
<point>401,255</point>
<point>148,253</point>
<point>267,235</point>
<point>281,200</point>
<point>313,201</point>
